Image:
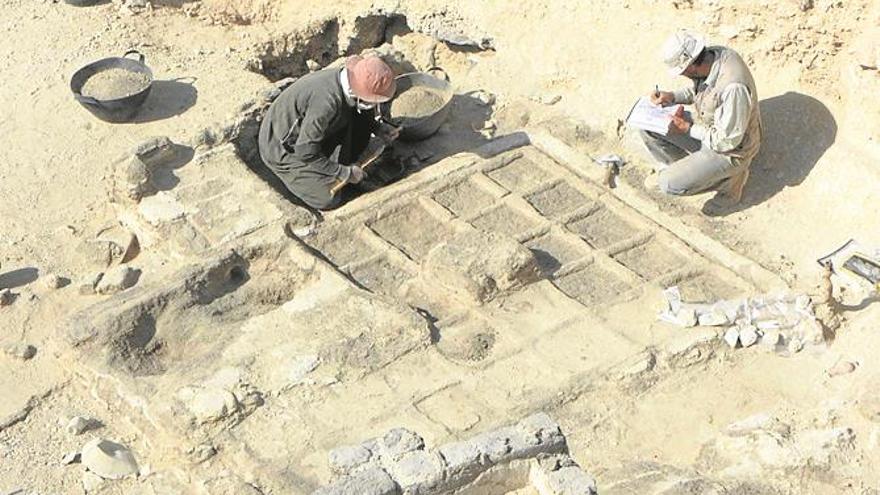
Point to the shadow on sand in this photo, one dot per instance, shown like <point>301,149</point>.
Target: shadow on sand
<point>798,129</point>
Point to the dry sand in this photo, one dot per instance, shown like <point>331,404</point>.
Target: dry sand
<point>813,187</point>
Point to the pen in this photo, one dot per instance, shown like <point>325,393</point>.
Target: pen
<point>657,90</point>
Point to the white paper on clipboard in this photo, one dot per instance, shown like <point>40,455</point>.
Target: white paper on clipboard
<point>649,117</point>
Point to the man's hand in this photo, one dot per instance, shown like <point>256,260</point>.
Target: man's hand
<point>679,124</point>
<point>356,175</point>
<point>662,98</point>
<point>387,133</point>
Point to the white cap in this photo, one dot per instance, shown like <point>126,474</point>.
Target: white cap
<point>680,50</point>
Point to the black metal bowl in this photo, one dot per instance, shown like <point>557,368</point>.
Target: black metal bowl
<point>83,3</point>
<point>120,109</point>
<point>413,129</point>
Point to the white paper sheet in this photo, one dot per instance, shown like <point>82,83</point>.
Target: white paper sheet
<point>649,117</point>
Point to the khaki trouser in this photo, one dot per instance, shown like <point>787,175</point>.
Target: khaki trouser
<point>692,167</point>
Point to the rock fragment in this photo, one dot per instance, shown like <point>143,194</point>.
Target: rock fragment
<point>6,297</point>
<point>345,460</point>
<point>71,458</point>
<point>78,424</point>
<point>748,336</point>
<point>91,482</point>
<point>108,459</point>
<point>731,336</point>
<point>841,368</point>
<point>86,286</point>
<point>20,351</point>
<point>117,280</point>
<point>479,265</point>
<point>52,281</point>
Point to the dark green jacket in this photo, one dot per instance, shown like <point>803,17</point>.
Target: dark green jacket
<point>303,117</point>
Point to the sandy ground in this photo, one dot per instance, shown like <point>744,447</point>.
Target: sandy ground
<point>813,187</point>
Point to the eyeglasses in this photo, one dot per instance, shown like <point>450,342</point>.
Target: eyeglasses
<point>363,105</point>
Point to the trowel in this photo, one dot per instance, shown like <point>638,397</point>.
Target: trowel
<point>853,260</point>
<point>612,164</point>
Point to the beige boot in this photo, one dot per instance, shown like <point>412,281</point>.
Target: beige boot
<point>735,186</point>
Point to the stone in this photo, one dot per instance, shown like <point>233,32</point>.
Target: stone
<point>771,340</point>
<point>20,351</point>
<point>156,151</point>
<point>300,367</point>
<point>478,265</point>
<point>841,368</point>
<point>547,99</point>
<point>748,335</point>
<point>312,65</point>
<point>52,281</point>
<point>494,446</point>
<point>463,460</point>
<point>795,345</point>
<point>115,245</point>
<point>345,460</point>
<point>571,480</point>
<point>419,471</point>
<point>373,481</point>
<point>91,482</point>
<point>540,429</point>
<point>210,404</point>
<point>71,458</point>
<point>86,286</point>
<point>731,336</point>
<point>398,442</point>
<point>713,318</point>
<point>108,459</point>
<point>757,422</point>
<point>78,424</point>
<point>117,280</point>
<point>6,297</point>
<point>137,180</point>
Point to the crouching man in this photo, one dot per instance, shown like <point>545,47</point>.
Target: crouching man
<point>318,126</point>
<point>718,140</point>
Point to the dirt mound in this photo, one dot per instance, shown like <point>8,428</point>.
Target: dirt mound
<point>113,84</point>
<point>416,103</point>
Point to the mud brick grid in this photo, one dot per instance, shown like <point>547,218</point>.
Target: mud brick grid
<point>591,246</point>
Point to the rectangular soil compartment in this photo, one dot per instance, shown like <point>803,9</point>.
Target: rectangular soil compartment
<point>380,276</point>
<point>652,259</point>
<point>553,251</point>
<point>464,197</point>
<point>341,246</point>
<point>412,229</point>
<point>521,175</point>
<point>505,220</point>
<point>707,288</point>
<point>591,285</point>
<point>602,228</point>
<point>559,200</point>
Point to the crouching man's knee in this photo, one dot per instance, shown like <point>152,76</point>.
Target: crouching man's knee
<point>668,184</point>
